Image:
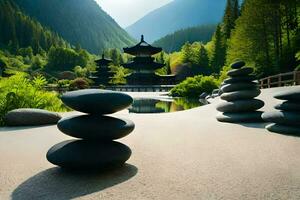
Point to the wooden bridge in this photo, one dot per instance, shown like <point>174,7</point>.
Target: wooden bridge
<point>123,88</point>
<point>141,88</point>
<point>279,80</point>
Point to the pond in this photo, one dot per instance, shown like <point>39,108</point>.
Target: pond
<point>151,105</point>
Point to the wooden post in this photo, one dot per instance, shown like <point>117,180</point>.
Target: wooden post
<point>279,80</point>
<point>269,82</point>
<point>297,75</point>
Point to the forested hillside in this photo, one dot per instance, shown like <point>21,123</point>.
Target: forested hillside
<point>267,35</point>
<point>79,22</point>
<point>17,30</point>
<point>174,42</point>
<point>177,15</point>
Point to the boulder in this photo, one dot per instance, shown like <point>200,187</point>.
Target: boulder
<point>31,117</point>
<point>240,105</point>
<point>283,117</point>
<point>240,72</point>
<point>292,94</point>
<point>239,86</point>
<point>203,95</point>
<point>240,95</point>
<point>289,106</point>
<point>242,79</point>
<point>95,101</point>
<point>282,129</point>
<point>238,64</point>
<point>85,155</point>
<point>95,127</point>
<point>240,117</point>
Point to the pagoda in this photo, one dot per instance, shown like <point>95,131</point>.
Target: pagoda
<point>143,65</point>
<point>103,74</point>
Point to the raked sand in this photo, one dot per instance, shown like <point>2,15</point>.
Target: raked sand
<point>183,155</point>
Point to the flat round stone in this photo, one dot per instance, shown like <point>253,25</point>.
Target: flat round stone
<point>240,105</point>
<point>242,79</point>
<point>239,86</point>
<point>246,117</point>
<point>240,95</point>
<point>84,155</point>
<point>240,72</point>
<point>288,106</point>
<point>283,117</point>
<point>282,129</point>
<point>238,64</point>
<point>94,101</point>
<point>95,127</point>
<point>31,117</point>
<point>289,94</point>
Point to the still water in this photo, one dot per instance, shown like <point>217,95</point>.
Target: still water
<point>148,105</point>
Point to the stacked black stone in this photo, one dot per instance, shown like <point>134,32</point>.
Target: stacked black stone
<point>287,119</point>
<point>239,92</point>
<point>96,149</point>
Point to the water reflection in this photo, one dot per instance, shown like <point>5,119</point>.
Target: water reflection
<point>146,105</point>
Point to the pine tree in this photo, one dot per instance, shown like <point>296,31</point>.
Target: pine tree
<point>219,51</point>
<point>230,16</point>
<point>228,25</point>
<point>203,60</point>
<point>263,36</point>
<point>187,53</point>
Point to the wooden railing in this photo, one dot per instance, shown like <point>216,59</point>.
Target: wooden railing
<point>141,88</point>
<point>123,88</point>
<point>284,79</point>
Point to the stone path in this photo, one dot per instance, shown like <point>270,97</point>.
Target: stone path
<point>183,155</point>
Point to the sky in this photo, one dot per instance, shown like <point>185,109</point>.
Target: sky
<point>126,12</point>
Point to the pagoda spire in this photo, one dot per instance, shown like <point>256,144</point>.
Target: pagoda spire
<point>142,38</point>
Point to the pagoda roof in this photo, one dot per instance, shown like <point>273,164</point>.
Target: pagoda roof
<point>142,48</point>
<point>103,61</point>
<point>145,66</point>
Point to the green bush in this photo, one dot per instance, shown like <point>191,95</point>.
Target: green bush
<point>20,92</point>
<point>194,86</point>
<point>79,83</point>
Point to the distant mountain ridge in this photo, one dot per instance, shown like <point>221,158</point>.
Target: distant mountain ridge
<point>174,42</point>
<point>80,22</point>
<point>17,30</point>
<point>178,14</point>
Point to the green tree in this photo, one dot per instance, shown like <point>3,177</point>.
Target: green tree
<point>219,51</point>
<point>64,59</point>
<point>203,60</point>
<point>266,36</point>
<point>187,53</point>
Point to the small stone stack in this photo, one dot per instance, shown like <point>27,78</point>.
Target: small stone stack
<point>239,92</point>
<point>95,148</point>
<point>287,119</point>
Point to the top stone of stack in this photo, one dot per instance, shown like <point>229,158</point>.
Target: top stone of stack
<point>95,101</point>
<point>290,95</point>
<point>238,64</point>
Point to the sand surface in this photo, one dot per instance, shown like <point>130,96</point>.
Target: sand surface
<point>182,155</point>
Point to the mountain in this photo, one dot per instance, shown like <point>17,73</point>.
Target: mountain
<point>174,42</point>
<point>177,15</point>
<point>80,22</point>
<point>18,30</point>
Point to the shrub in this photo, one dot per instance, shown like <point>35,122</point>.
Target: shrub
<point>194,86</point>
<point>79,83</point>
<point>19,92</point>
<point>63,83</point>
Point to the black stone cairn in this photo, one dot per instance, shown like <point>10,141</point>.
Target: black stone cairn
<point>287,119</point>
<point>95,147</point>
<point>239,92</point>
